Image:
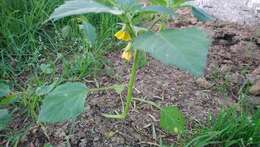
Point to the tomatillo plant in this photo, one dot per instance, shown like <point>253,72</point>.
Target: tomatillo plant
<point>185,48</point>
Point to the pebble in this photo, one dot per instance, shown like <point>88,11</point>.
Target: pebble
<point>255,89</point>
<point>202,82</point>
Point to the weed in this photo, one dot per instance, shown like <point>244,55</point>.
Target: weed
<point>230,128</point>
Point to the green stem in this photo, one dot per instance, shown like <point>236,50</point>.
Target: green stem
<point>131,84</point>
<point>132,79</point>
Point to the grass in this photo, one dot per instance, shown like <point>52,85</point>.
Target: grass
<point>21,34</point>
<point>27,43</point>
<point>230,128</point>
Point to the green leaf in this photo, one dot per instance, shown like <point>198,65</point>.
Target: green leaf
<point>5,118</point>
<point>78,7</point>
<point>177,3</point>
<point>172,120</point>
<point>63,103</point>
<point>119,88</point>
<point>65,31</point>
<point>90,33</point>
<point>185,48</point>
<point>200,14</point>
<point>45,89</point>
<point>47,145</point>
<point>46,68</point>
<point>137,29</point>
<point>158,9</point>
<point>158,2</point>
<point>4,89</point>
<point>9,99</point>
<point>132,6</point>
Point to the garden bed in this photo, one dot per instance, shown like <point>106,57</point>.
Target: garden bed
<point>234,53</point>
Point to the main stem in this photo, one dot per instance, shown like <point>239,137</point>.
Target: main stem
<point>133,74</point>
<point>131,84</point>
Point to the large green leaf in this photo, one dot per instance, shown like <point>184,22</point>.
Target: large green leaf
<point>172,120</point>
<point>63,103</point>
<point>5,118</point>
<point>77,7</point>
<point>4,89</point>
<point>184,48</point>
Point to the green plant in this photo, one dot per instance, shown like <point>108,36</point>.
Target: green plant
<point>5,117</point>
<point>229,128</point>
<point>185,48</point>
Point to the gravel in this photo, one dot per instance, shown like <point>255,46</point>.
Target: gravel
<point>239,11</point>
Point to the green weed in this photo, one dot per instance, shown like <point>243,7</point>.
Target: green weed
<point>230,128</point>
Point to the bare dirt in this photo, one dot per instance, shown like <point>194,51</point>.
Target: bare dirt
<point>235,52</point>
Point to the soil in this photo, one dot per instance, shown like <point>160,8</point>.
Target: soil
<point>235,52</point>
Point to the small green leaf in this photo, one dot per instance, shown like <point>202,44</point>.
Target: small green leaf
<point>200,14</point>
<point>172,120</point>
<point>9,99</point>
<point>4,89</point>
<point>197,12</point>
<point>158,9</point>
<point>45,89</point>
<point>119,88</point>
<point>47,145</point>
<point>90,32</point>
<point>137,29</point>
<point>5,118</point>
<point>78,7</point>
<point>158,2</point>
<point>65,31</point>
<point>129,5</point>
<point>46,68</point>
<point>63,103</point>
<point>177,3</point>
<point>185,48</point>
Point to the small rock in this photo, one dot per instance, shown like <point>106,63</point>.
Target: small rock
<point>202,82</point>
<point>83,143</point>
<point>251,78</point>
<point>255,89</point>
<point>225,68</point>
<point>60,133</point>
<point>254,76</point>
<point>256,71</point>
<point>118,140</point>
<point>236,78</point>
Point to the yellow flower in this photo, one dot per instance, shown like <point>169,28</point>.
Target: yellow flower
<point>123,35</point>
<point>127,55</point>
